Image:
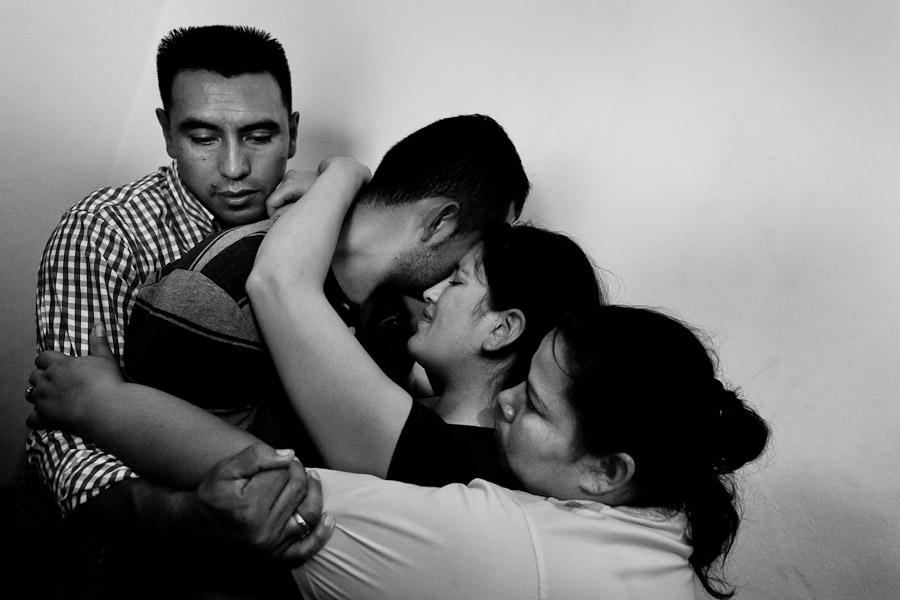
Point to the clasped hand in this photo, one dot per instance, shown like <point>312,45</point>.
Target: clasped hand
<point>264,500</point>
<point>248,500</point>
<point>63,385</point>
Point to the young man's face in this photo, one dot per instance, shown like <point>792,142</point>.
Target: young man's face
<point>232,138</point>
<point>424,265</point>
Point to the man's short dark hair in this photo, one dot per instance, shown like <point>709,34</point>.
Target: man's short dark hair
<point>228,50</point>
<point>468,158</point>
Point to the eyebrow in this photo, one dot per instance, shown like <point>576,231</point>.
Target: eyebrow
<point>267,124</point>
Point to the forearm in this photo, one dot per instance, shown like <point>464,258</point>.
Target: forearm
<point>139,507</point>
<point>353,412</point>
<point>161,437</point>
<point>300,245</point>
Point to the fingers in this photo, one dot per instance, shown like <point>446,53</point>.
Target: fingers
<point>252,460</point>
<point>33,420</point>
<point>295,512</point>
<point>310,503</point>
<point>296,489</point>
<point>48,358</point>
<point>303,549</point>
<point>274,214</point>
<point>98,342</point>
<point>36,378</point>
<point>345,162</point>
<point>33,378</point>
<point>292,187</point>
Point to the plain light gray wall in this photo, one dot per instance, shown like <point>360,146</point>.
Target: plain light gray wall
<point>734,161</point>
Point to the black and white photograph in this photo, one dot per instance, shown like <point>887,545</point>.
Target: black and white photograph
<point>484,299</point>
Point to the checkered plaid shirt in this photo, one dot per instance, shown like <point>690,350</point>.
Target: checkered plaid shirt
<point>100,253</point>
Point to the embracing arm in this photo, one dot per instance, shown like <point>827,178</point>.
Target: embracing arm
<point>395,540</point>
<point>244,505</point>
<point>160,436</point>
<point>352,410</point>
<point>242,492</point>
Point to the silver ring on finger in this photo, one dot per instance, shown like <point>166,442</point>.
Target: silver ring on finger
<point>301,522</point>
<point>28,391</point>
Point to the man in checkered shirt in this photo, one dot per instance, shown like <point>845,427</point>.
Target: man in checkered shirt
<point>229,128</point>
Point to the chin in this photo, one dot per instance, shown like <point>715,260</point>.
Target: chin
<point>413,344</point>
<point>243,217</point>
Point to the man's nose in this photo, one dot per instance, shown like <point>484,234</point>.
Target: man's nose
<point>434,292</point>
<point>234,161</point>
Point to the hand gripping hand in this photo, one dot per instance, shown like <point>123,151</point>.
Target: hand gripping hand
<point>251,500</point>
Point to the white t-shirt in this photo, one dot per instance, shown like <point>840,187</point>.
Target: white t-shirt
<point>394,540</point>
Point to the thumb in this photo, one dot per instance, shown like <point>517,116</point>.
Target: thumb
<point>252,460</point>
<point>98,343</point>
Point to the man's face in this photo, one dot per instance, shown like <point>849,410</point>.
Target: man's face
<point>232,138</point>
<point>422,266</point>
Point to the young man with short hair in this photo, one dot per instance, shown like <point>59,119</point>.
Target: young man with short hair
<point>229,128</point>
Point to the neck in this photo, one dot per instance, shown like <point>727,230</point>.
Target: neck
<point>468,396</point>
<point>362,257</point>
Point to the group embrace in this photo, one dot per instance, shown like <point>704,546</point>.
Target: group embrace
<point>345,384</point>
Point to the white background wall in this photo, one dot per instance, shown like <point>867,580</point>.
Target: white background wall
<point>736,161</point>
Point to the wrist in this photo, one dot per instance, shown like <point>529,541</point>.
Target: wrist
<point>350,168</point>
<point>172,514</point>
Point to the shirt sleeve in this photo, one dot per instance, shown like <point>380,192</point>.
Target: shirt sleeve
<point>87,275</point>
<point>394,540</point>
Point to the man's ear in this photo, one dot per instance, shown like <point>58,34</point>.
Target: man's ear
<point>507,329</point>
<point>293,124</point>
<point>163,118</point>
<point>439,220</point>
<point>608,478</point>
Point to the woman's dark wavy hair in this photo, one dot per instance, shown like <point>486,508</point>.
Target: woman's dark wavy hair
<point>644,384</point>
<point>544,274</point>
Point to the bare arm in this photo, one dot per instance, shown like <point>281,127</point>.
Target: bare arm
<point>160,436</point>
<point>352,410</point>
<point>242,492</point>
<point>245,504</point>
